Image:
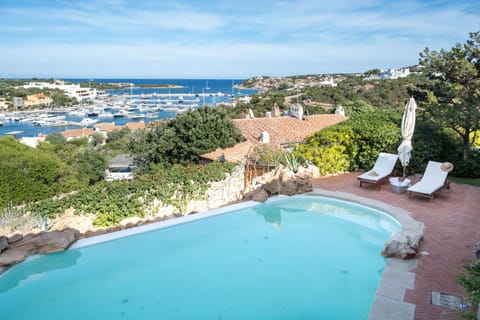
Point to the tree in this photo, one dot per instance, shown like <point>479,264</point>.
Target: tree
<point>371,72</point>
<point>184,138</point>
<point>97,139</point>
<point>29,174</point>
<point>90,165</point>
<point>202,131</point>
<point>152,146</point>
<point>357,107</point>
<point>452,97</point>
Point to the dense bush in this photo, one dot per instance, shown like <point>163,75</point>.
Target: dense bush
<point>111,202</point>
<point>374,133</point>
<point>184,138</point>
<point>331,150</point>
<point>352,144</point>
<point>467,168</point>
<point>471,283</point>
<point>431,142</point>
<point>357,142</point>
<point>355,108</point>
<point>28,174</point>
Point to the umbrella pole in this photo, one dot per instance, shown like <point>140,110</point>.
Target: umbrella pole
<point>404,171</point>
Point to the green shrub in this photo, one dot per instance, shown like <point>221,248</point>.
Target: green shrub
<point>112,202</point>
<point>29,174</point>
<point>352,144</point>
<point>292,162</point>
<point>471,283</point>
<point>357,142</point>
<point>331,150</point>
<point>467,168</point>
<point>266,155</point>
<point>432,143</point>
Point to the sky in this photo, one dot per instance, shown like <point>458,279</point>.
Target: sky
<point>223,39</point>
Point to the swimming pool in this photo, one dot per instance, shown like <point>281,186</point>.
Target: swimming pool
<point>299,257</point>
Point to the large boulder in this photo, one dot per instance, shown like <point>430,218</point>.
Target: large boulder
<point>131,222</point>
<point>291,187</point>
<point>3,243</point>
<point>261,195</point>
<point>308,172</point>
<point>402,245</point>
<point>17,236</point>
<point>44,242</point>
<point>273,186</point>
<point>81,223</point>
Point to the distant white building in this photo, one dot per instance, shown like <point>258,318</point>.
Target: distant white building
<point>296,110</point>
<point>328,82</point>
<point>395,74</point>
<point>71,90</point>
<point>120,168</point>
<point>339,110</point>
<point>32,141</point>
<point>390,74</point>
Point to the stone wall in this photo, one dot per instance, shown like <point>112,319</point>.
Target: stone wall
<point>221,193</point>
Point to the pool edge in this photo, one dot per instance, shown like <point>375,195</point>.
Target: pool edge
<point>397,277</point>
<point>85,242</point>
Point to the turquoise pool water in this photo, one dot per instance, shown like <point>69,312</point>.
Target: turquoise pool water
<point>300,257</point>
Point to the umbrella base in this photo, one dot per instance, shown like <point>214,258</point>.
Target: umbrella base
<point>399,189</point>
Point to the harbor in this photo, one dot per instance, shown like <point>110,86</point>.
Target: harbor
<point>117,107</point>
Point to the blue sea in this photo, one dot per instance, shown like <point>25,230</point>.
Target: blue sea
<point>211,91</point>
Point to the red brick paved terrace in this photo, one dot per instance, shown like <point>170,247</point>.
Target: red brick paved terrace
<point>452,226</point>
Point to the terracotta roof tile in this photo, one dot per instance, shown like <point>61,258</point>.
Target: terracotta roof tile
<point>286,129</point>
<point>282,130</point>
<point>135,125</point>
<point>233,154</point>
<point>75,133</point>
<point>110,126</point>
<point>107,126</point>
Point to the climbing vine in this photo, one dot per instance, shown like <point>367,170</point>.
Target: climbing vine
<point>112,202</point>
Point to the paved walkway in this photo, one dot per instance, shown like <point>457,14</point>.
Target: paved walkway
<point>452,226</point>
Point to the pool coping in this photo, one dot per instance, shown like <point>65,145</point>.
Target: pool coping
<point>85,242</point>
<point>397,276</point>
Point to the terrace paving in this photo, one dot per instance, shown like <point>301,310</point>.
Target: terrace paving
<point>452,227</point>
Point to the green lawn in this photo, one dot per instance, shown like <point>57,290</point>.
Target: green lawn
<point>470,181</point>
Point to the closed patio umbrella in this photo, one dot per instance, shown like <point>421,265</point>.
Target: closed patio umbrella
<point>408,126</point>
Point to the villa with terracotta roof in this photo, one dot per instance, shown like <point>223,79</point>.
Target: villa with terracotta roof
<point>103,128</point>
<point>280,132</point>
<point>135,125</point>
<point>78,133</point>
<point>37,99</point>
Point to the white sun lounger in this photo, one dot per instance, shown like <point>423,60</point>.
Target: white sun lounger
<point>434,179</point>
<point>381,170</point>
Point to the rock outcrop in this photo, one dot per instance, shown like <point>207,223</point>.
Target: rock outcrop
<point>403,245</point>
<point>295,186</point>
<point>3,243</point>
<point>81,223</point>
<point>286,184</point>
<point>261,195</point>
<point>43,242</point>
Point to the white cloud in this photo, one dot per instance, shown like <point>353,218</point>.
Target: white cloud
<point>178,39</point>
<point>173,60</point>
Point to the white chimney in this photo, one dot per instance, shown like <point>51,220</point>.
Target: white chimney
<point>265,137</point>
<point>339,110</point>
<point>297,111</point>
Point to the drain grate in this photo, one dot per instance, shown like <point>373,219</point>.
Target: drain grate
<point>446,300</point>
